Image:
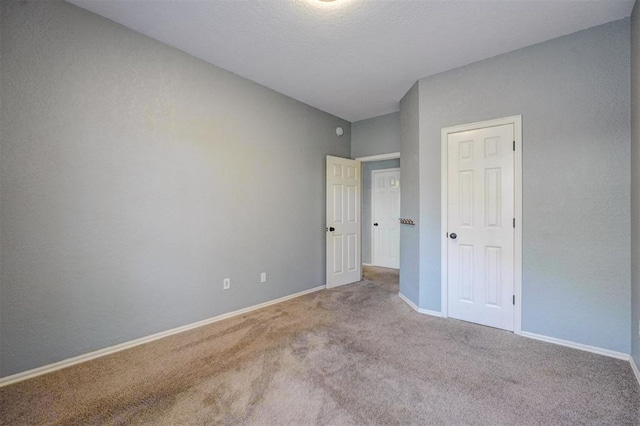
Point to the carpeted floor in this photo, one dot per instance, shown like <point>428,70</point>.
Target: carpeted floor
<point>351,355</point>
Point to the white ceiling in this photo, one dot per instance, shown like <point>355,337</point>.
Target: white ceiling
<point>352,58</point>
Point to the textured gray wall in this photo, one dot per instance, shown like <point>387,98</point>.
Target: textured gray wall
<point>367,168</point>
<point>573,94</point>
<point>635,182</point>
<point>135,178</point>
<point>410,194</point>
<point>377,135</point>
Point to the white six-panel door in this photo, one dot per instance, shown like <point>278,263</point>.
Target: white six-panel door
<point>344,264</point>
<point>480,215</point>
<point>385,202</point>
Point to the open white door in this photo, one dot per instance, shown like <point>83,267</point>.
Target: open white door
<point>343,221</point>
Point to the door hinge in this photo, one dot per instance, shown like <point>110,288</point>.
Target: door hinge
<point>514,222</point>
<point>514,145</point>
<point>514,299</point>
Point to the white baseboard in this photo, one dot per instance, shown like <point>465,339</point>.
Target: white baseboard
<point>594,349</point>
<point>366,264</point>
<point>419,310</point>
<point>580,346</point>
<point>635,369</point>
<point>18,377</point>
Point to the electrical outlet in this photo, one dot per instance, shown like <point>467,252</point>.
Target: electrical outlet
<point>226,284</point>
<point>263,277</point>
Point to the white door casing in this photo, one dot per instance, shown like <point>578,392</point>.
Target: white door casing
<point>481,266</point>
<point>385,212</point>
<point>344,263</point>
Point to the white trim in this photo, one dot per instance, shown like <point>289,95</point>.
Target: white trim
<point>579,346</point>
<point>444,209</point>
<point>517,249</point>
<point>18,377</point>
<point>419,310</point>
<point>635,369</point>
<point>379,157</point>
<point>367,264</point>
<point>516,120</point>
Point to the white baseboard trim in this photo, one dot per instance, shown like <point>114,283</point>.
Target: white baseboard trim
<point>580,346</point>
<point>366,264</point>
<point>635,369</point>
<point>19,377</point>
<point>419,310</point>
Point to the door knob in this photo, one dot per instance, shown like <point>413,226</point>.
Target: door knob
<point>331,229</point>
<point>375,224</point>
<point>453,235</point>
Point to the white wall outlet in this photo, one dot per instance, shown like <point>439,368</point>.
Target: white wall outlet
<point>226,284</point>
<point>263,277</point>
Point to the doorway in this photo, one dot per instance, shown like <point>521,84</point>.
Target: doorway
<point>369,165</point>
<point>481,222</point>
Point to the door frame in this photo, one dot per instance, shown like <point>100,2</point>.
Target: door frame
<point>373,172</point>
<point>516,120</point>
<point>368,159</point>
<point>379,157</point>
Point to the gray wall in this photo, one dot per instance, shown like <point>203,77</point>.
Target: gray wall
<point>377,135</point>
<point>573,94</point>
<point>635,182</point>
<point>367,228</point>
<point>135,178</point>
<point>373,136</point>
<point>410,194</point>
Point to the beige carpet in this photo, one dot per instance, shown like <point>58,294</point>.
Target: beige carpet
<point>352,355</point>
